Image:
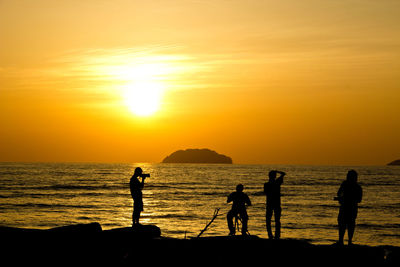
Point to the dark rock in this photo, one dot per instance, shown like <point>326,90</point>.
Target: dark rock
<point>137,232</point>
<point>197,156</point>
<point>78,229</point>
<point>4,230</point>
<point>143,246</point>
<point>250,251</point>
<point>394,163</point>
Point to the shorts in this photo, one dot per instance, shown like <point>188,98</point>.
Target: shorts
<point>347,214</point>
<point>138,205</point>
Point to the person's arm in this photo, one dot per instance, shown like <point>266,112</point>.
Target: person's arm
<point>280,179</point>
<point>229,198</point>
<point>360,195</point>
<point>131,185</point>
<point>248,202</point>
<point>340,193</point>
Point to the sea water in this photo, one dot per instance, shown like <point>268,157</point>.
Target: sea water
<point>182,198</point>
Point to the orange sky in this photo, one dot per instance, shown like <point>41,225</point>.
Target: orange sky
<point>280,82</point>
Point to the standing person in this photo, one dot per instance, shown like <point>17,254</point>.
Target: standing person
<point>272,190</point>
<point>348,195</point>
<point>240,200</point>
<point>136,191</point>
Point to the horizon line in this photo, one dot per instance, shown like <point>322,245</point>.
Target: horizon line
<point>126,162</point>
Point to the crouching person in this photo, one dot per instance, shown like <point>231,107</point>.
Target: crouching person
<point>240,200</point>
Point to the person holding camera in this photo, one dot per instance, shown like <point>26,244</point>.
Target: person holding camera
<point>348,195</point>
<point>136,192</point>
<point>272,190</point>
<point>240,200</point>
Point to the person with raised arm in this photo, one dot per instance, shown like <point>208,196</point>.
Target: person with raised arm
<point>272,190</point>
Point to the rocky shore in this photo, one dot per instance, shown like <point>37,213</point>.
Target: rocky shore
<point>89,245</point>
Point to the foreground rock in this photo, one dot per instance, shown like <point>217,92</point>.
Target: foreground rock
<point>144,246</point>
<point>254,251</point>
<point>128,233</point>
<point>77,229</point>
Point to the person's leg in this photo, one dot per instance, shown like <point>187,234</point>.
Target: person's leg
<point>135,216</point>
<point>268,217</point>
<point>229,218</point>
<point>137,209</point>
<point>341,225</point>
<point>278,211</point>
<point>351,225</point>
<point>245,219</point>
<point>350,231</point>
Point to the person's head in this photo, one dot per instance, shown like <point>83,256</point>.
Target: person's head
<point>272,175</point>
<point>352,176</point>
<point>138,172</point>
<point>239,188</point>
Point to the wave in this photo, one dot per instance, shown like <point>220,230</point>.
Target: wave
<point>213,194</point>
<point>313,183</point>
<point>57,187</point>
<point>336,183</point>
<point>109,172</point>
<point>174,216</point>
<point>258,194</point>
<point>152,186</point>
<point>77,187</point>
<point>86,218</point>
<point>329,206</point>
<point>302,226</point>
<point>390,235</point>
<point>14,173</point>
<point>332,206</point>
<point>43,205</point>
<point>379,226</point>
<point>391,206</point>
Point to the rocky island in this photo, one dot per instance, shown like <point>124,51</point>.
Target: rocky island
<point>197,156</point>
<point>394,163</point>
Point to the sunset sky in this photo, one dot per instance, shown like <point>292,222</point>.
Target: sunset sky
<point>275,82</point>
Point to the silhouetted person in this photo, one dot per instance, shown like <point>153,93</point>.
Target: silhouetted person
<point>240,200</point>
<point>348,195</point>
<point>136,191</point>
<point>272,189</point>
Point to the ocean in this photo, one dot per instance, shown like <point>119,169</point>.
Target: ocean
<point>181,198</point>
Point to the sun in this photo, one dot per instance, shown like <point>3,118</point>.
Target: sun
<point>143,98</point>
<point>143,86</point>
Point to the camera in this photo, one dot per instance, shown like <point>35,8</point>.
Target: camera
<point>145,175</point>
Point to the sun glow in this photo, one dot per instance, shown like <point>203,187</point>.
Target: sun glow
<point>144,87</point>
<point>141,79</point>
<point>143,98</point>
